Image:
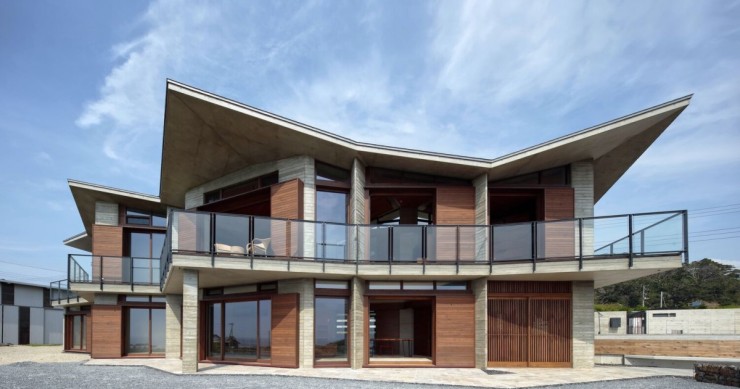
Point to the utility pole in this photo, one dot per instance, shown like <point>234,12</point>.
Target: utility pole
<point>644,296</point>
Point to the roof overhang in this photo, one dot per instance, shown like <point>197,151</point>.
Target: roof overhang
<point>207,136</point>
<point>87,194</point>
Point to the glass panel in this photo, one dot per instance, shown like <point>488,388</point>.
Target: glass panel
<point>158,331</point>
<point>191,231</point>
<point>157,244</point>
<point>159,221</point>
<point>264,243</point>
<point>265,329</point>
<point>452,285</point>
<point>143,271</point>
<point>159,299</point>
<point>137,298</point>
<point>330,284</point>
<point>325,172</point>
<point>139,245</point>
<point>240,321</point>
<point>232,231</point>
<point>407,243</point>
<point>384,285</point>
<point>512,242</point>
<point>607,236</point>
<point>76,332</point>
<point>137,331</point>
<point>214,349</point>
<point>331,207</point>
<point>331,329</point>
<point>418,285</point>
<point>557,239</point>
<point>657,233</point>
<point>379,242</point>
<point>83,332</point>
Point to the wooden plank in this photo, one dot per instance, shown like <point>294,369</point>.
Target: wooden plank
<point>455,206</point>
<point>559,203</point>
<point>286,201</point>
<point>674,348</point>
<point>528,288</point>
<point>454,332</point>
<point>107,241</point>
<point>106,331</point>
<point>284,335</point>
<point>558,239</point>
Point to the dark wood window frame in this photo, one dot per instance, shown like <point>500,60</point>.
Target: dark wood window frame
<point>146,216</point>
<point>205,325</point>
<point>68,338</point>
<point>149,305</point>
<point>248,186</point>
<point>345,294</point>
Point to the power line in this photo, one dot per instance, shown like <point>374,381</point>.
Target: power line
<point>33,267</point>
<point>719,206</point>
<point>704,240</point>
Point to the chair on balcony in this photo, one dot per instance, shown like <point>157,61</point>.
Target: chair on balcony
<point>259,246</point>
<point>221,248</point>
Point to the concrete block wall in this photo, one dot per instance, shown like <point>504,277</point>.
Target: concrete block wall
<point>481,216</point>
<point>106,213</point>
<point>601,323</point>
<point>582,181</point>
<point>190,321</point>
<point>173,321</point>
<point>480,291</point>
<point>357,318</point>
<point>583,325</point>
<point>694,322</point>
<point>304,287</point>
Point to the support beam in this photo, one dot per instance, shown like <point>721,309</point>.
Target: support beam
<point>583,324</point>
<point>480,291</point>
<point>357,320</point>
<point>190,321</point>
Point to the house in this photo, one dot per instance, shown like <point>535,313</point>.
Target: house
<point>274,243</point>
<point>26,315</point>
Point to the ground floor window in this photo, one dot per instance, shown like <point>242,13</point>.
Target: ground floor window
<point>331,338</point>
<point>145,331</point>
<point>239,330</point>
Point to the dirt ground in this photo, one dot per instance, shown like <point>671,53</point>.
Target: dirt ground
<point>13,354</point>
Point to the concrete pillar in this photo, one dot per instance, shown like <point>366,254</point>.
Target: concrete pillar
<point>357,210</point>
<point>582,181</point>
<point>106,213</point>
<point>173,321</point>
<point>357,318</point>
<point>583,324</point>
<point>189,321</point>
<point>480,291</point>
<point>304,287</point>
<point>481,217</point>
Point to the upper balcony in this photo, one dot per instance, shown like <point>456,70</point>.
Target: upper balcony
<point>576,248</point>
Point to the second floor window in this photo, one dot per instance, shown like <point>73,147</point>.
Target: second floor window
<point>144,218</point>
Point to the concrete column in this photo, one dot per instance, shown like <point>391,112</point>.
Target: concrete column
<point>480,291</point>
<point>583,324</point>
<point>304,287</point>
<point>357,318</point>
<point>582,181</point>
<point>481,217</point>
<point>106,213</point>
<point>173,321</point>
<point>189,321</point>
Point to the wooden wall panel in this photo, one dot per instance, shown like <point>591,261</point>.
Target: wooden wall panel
<point>557,240</point>
<point>106,331</point>
<point>107,240</point>
<point>559,203</point>
<point>286,201</point>
<point>455,206</point>
<point>454,331</point>
<point>550,332</point>
<point>676,348</point>
<point>284,335</point>
<point>507,332</point>
<point>528,287</point>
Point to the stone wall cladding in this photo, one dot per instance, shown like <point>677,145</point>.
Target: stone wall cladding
<point>304,287</point>
<point>717,374</point>
<point>481,216</point>
<point>106,213</point>
<point>357,317</point>
<point>172,323</point>
<point>582,181</point>
<point>480,291</point>
<point>583,324</point>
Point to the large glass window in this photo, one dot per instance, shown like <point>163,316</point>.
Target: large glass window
<point>75,337</point>
<point>145,218</point>
<point>145,331</point>
<point>331,239</point>
<point>331,325</point>
<point>239,330</point>
<point>141,247</point>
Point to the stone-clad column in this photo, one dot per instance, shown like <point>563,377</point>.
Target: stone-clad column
<point>481,217</point>
<point>357,318</point>
<point>582,181</point>
<point>480,291</point>
<point>173,322</point>
<point>189,321</point>
<point>583,324</point>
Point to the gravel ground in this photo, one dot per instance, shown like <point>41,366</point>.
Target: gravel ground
<point>12,354</point>
<point>76,375</point>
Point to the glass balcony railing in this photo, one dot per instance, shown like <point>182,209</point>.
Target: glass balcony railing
<point>99,269</point>
<point>217,235</point>
<point>59,292</point>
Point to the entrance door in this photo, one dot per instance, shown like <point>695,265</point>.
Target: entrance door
<point>400,331</point>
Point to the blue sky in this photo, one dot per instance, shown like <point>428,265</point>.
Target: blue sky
<point>82,93</point>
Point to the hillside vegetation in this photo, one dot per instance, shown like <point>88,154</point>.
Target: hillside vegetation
<point>713,283</point>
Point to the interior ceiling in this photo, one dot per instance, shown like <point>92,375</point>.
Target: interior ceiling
<point>206,137</point>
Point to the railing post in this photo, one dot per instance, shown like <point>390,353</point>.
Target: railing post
<point>457,249</point>
<point>629,234</point>
<point>390,250</point>
<point>580,244</point>
<point>131,274</point>
<point>69,264</point>
<point>101,272</point>
<point>642,242</point>
<point>490,250</point>
<point>212,237</point>
<point>685,217</point>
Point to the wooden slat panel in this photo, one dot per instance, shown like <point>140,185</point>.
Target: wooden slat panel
<point>285,330</point>
<point>107,240</point>
<point>106,331</point>
<point>507,332</point>
<point>286,201</point>
<point>550,332</point>
<point>559,238</point>
<point>676,348</point>
<point>559,203</point>
<point>455,206</point>
<point>455,331</point>
<point>528,287</point>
